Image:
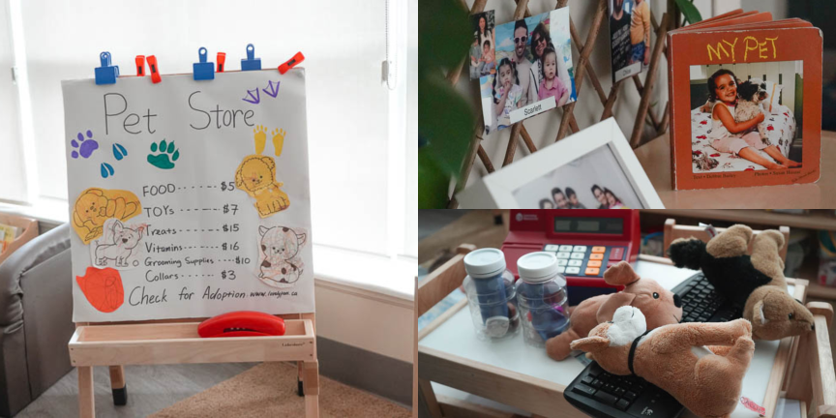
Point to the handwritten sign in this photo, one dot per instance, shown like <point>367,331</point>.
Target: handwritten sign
<point>750,45</point>
<point>189,198</point>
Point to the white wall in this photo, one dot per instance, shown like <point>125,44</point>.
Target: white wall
<point>777,7</point>
<point>12,180</point>
<point>543,128</point>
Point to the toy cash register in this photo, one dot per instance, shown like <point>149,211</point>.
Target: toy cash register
<point>585,241</point>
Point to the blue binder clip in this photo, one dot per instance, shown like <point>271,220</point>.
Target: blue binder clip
<point>106,74</point>
<point>251,63</point>
<point>203,70</point>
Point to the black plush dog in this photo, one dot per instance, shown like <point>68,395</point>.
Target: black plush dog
<point>734,277</point>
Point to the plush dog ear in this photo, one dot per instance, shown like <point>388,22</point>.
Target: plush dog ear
<point>621,274</point>
<point>615,301</point>
<point>757,313</point>
<point>590,344</point>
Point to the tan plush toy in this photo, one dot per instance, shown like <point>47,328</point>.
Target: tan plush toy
<point>706,380</point>
<point>659,305</point>
<point>755,282</point>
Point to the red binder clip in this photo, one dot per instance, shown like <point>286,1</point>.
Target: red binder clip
<point>155,70</point>
<point>291,63</point>
<point>221,60</point>
<point>140,65</point>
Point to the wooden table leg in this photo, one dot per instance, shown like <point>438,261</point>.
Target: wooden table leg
<point>311,383</point>
<point>300,377</point>
<point>426,388</point>
<point>86,401</point>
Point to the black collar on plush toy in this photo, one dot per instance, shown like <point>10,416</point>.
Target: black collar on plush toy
<point>633,351</point>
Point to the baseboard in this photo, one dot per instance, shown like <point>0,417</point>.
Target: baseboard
<point>375,373</point>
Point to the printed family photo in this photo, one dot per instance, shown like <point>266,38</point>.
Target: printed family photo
<point>594,181</point>
<point>482,61</point>
<point>746,117</point>
<point>534,71</point>
<point>630,27</point>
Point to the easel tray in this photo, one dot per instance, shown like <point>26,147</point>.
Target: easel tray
<point>172,343</point>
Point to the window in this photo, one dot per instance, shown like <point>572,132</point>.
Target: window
<point>354,121</point>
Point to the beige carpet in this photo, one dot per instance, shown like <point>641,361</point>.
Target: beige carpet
<point>269,390</point>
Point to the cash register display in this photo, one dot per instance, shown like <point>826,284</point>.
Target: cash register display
<point>589,225</point>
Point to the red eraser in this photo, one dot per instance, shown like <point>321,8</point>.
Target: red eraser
<point>291,63</point>
<point>221,60</point>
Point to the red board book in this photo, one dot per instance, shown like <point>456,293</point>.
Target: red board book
<point>745,94</point>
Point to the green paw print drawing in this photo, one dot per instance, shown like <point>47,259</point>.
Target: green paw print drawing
<point>166,157</point>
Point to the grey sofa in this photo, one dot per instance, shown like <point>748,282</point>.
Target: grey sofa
<point>35,318</point>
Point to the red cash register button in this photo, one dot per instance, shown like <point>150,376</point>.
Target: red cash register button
<point>617,254</point>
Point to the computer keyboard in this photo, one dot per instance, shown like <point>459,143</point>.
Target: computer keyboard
<point>604,395</point>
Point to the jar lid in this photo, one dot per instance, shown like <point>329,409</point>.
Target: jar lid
<point>537,267</point>
<point>484,263</point>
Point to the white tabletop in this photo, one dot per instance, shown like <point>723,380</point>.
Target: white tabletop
<point>457,337</point>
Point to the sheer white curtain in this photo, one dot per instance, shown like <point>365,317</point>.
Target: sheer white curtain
<point>348,109</point>
<point>12,177</point>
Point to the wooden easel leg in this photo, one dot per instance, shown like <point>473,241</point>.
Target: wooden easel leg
<point>118,385</point>
<point>86,402</point>
<point>300,377</point>
<point>311,383</point>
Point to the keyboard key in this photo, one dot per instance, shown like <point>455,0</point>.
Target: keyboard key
<point>630,396</point>
<point>567,248</point>
<point>617,253</point>
<point>605,397</point>
<point>561,270</point>
<point>575,263</point>
<point>599,249</point>
<point>592,271</point>
<point>594,371</point>
<point>587,379</point>
<point>596,256</point>
<point>622,404</point>
<point>563,255</point>
<point>584,389</point>
<point>579,255</point>
<point>562,262</point>
<point>593,263</point>
<point>580,248</point>
<point>551,248</point>
<point>619,392</point>
<point>573,270</point>
<point>597,383</point>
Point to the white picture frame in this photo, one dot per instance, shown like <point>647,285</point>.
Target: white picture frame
<point>496,190</point>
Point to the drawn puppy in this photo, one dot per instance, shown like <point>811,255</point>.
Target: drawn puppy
<point>122,243</point>
<point>281,265</point>
<point>257,176</point>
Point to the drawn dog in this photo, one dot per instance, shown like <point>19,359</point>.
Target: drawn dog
<point>257,176</point>
<point>121,243</point>
<point>281,265</point>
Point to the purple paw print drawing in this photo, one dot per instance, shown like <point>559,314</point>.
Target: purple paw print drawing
<point>84,147</point>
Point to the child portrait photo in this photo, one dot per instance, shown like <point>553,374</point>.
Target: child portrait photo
<point>746,117</point>
<point>482,62</point>
<point>630,27</point>
<point>534,70</point>
<point>594,181</point>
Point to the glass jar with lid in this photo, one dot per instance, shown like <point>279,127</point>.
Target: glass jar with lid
<point>491,294</point>
<point>542,298</point>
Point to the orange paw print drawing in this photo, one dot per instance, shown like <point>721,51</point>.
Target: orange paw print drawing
<point>102,288</point>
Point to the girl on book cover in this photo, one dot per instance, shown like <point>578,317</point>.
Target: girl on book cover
<point>508,94</point>
<point>551,86</point>
<point>730,137</point>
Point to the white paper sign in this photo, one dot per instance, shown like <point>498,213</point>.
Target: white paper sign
<point>189,198</point>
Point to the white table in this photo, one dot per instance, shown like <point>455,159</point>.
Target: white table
<point>524,377</point>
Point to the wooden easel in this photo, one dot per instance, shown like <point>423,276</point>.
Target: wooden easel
<point>175,341</point>
<point>583,66</point>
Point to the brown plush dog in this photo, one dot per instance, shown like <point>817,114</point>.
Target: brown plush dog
<point>755,282</point>
<point>674,358</point>
<point>659,305</point>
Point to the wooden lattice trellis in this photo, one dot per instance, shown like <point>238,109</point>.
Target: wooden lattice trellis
<point>583,67</point>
